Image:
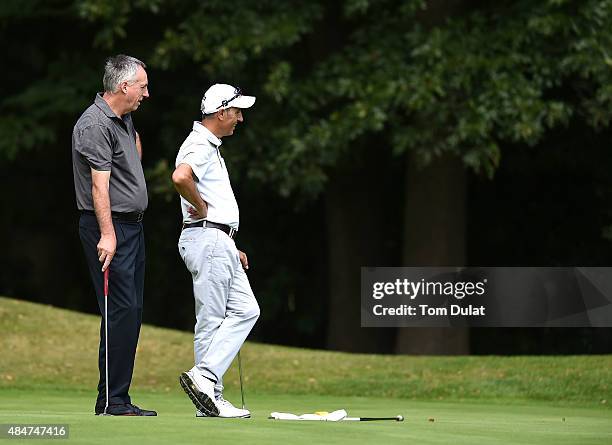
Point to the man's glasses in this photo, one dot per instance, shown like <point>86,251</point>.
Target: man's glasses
<point>237,94</point>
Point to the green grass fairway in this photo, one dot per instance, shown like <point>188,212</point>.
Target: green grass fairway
<point>48,373</point>
<point>453,423</point>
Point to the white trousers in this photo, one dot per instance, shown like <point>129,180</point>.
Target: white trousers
<point>226,309</point>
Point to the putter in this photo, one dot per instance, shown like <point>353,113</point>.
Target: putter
<point>399,418</point>
<point>106,335</point>
<point>240,374</point>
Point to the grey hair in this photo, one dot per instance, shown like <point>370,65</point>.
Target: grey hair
<point>118,69</point>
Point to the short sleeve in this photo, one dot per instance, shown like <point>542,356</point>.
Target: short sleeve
<point>95,144</point>
<point>198,159</point>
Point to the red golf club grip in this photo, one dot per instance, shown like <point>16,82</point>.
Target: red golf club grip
<point>106,283</point>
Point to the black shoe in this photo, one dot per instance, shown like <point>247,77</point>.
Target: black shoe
<point>124,410</point>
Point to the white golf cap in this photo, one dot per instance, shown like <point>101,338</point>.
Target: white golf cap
<point>221,96</point>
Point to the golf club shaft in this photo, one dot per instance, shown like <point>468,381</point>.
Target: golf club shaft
<point>370,419</point>
<point>240,374</point>
<point>106,336</point>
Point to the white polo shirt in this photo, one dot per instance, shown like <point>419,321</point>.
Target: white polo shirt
<point>201,152</point>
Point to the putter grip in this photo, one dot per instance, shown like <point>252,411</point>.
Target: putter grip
<point>106,283</point>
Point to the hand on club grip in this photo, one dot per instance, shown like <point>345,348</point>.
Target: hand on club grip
<point>106,250</point>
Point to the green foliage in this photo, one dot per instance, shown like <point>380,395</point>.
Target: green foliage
<point>159,182</point>
<point>333,79</point>
<point>41,87</point>
<point>333,75</point>
<point>467,86</point>
<point>223,37</point>
<point>464,87</point>
<point>113,15</point>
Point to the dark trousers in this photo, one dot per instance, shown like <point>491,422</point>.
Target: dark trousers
<point>125,292</point>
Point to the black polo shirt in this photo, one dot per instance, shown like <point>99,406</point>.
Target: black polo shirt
<point>103,141</point>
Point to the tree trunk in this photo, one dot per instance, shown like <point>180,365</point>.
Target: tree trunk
<point>434,235</point>
<point>360,232</point>
<point>434,220</point>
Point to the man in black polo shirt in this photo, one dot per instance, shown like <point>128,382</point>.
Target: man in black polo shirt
<point>111,196</point>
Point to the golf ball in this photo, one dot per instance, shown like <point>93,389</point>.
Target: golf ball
<point>400,418</point>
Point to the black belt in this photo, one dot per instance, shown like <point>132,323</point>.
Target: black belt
<point>231,232</point>
<point>120,216</point>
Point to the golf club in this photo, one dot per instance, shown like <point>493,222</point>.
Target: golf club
<point>398,418</point>
<point>240,374</point>
<point>106,336</point>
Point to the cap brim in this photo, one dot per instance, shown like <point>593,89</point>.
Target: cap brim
<point>242,102</point>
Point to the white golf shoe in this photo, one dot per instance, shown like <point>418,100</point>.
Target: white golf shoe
<point>227,410</point>
<point>201,391</point>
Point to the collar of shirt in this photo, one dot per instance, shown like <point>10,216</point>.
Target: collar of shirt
<point>201,129</point>
<point>102,105</point>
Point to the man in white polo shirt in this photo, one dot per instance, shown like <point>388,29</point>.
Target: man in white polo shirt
<point>226,309</point>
